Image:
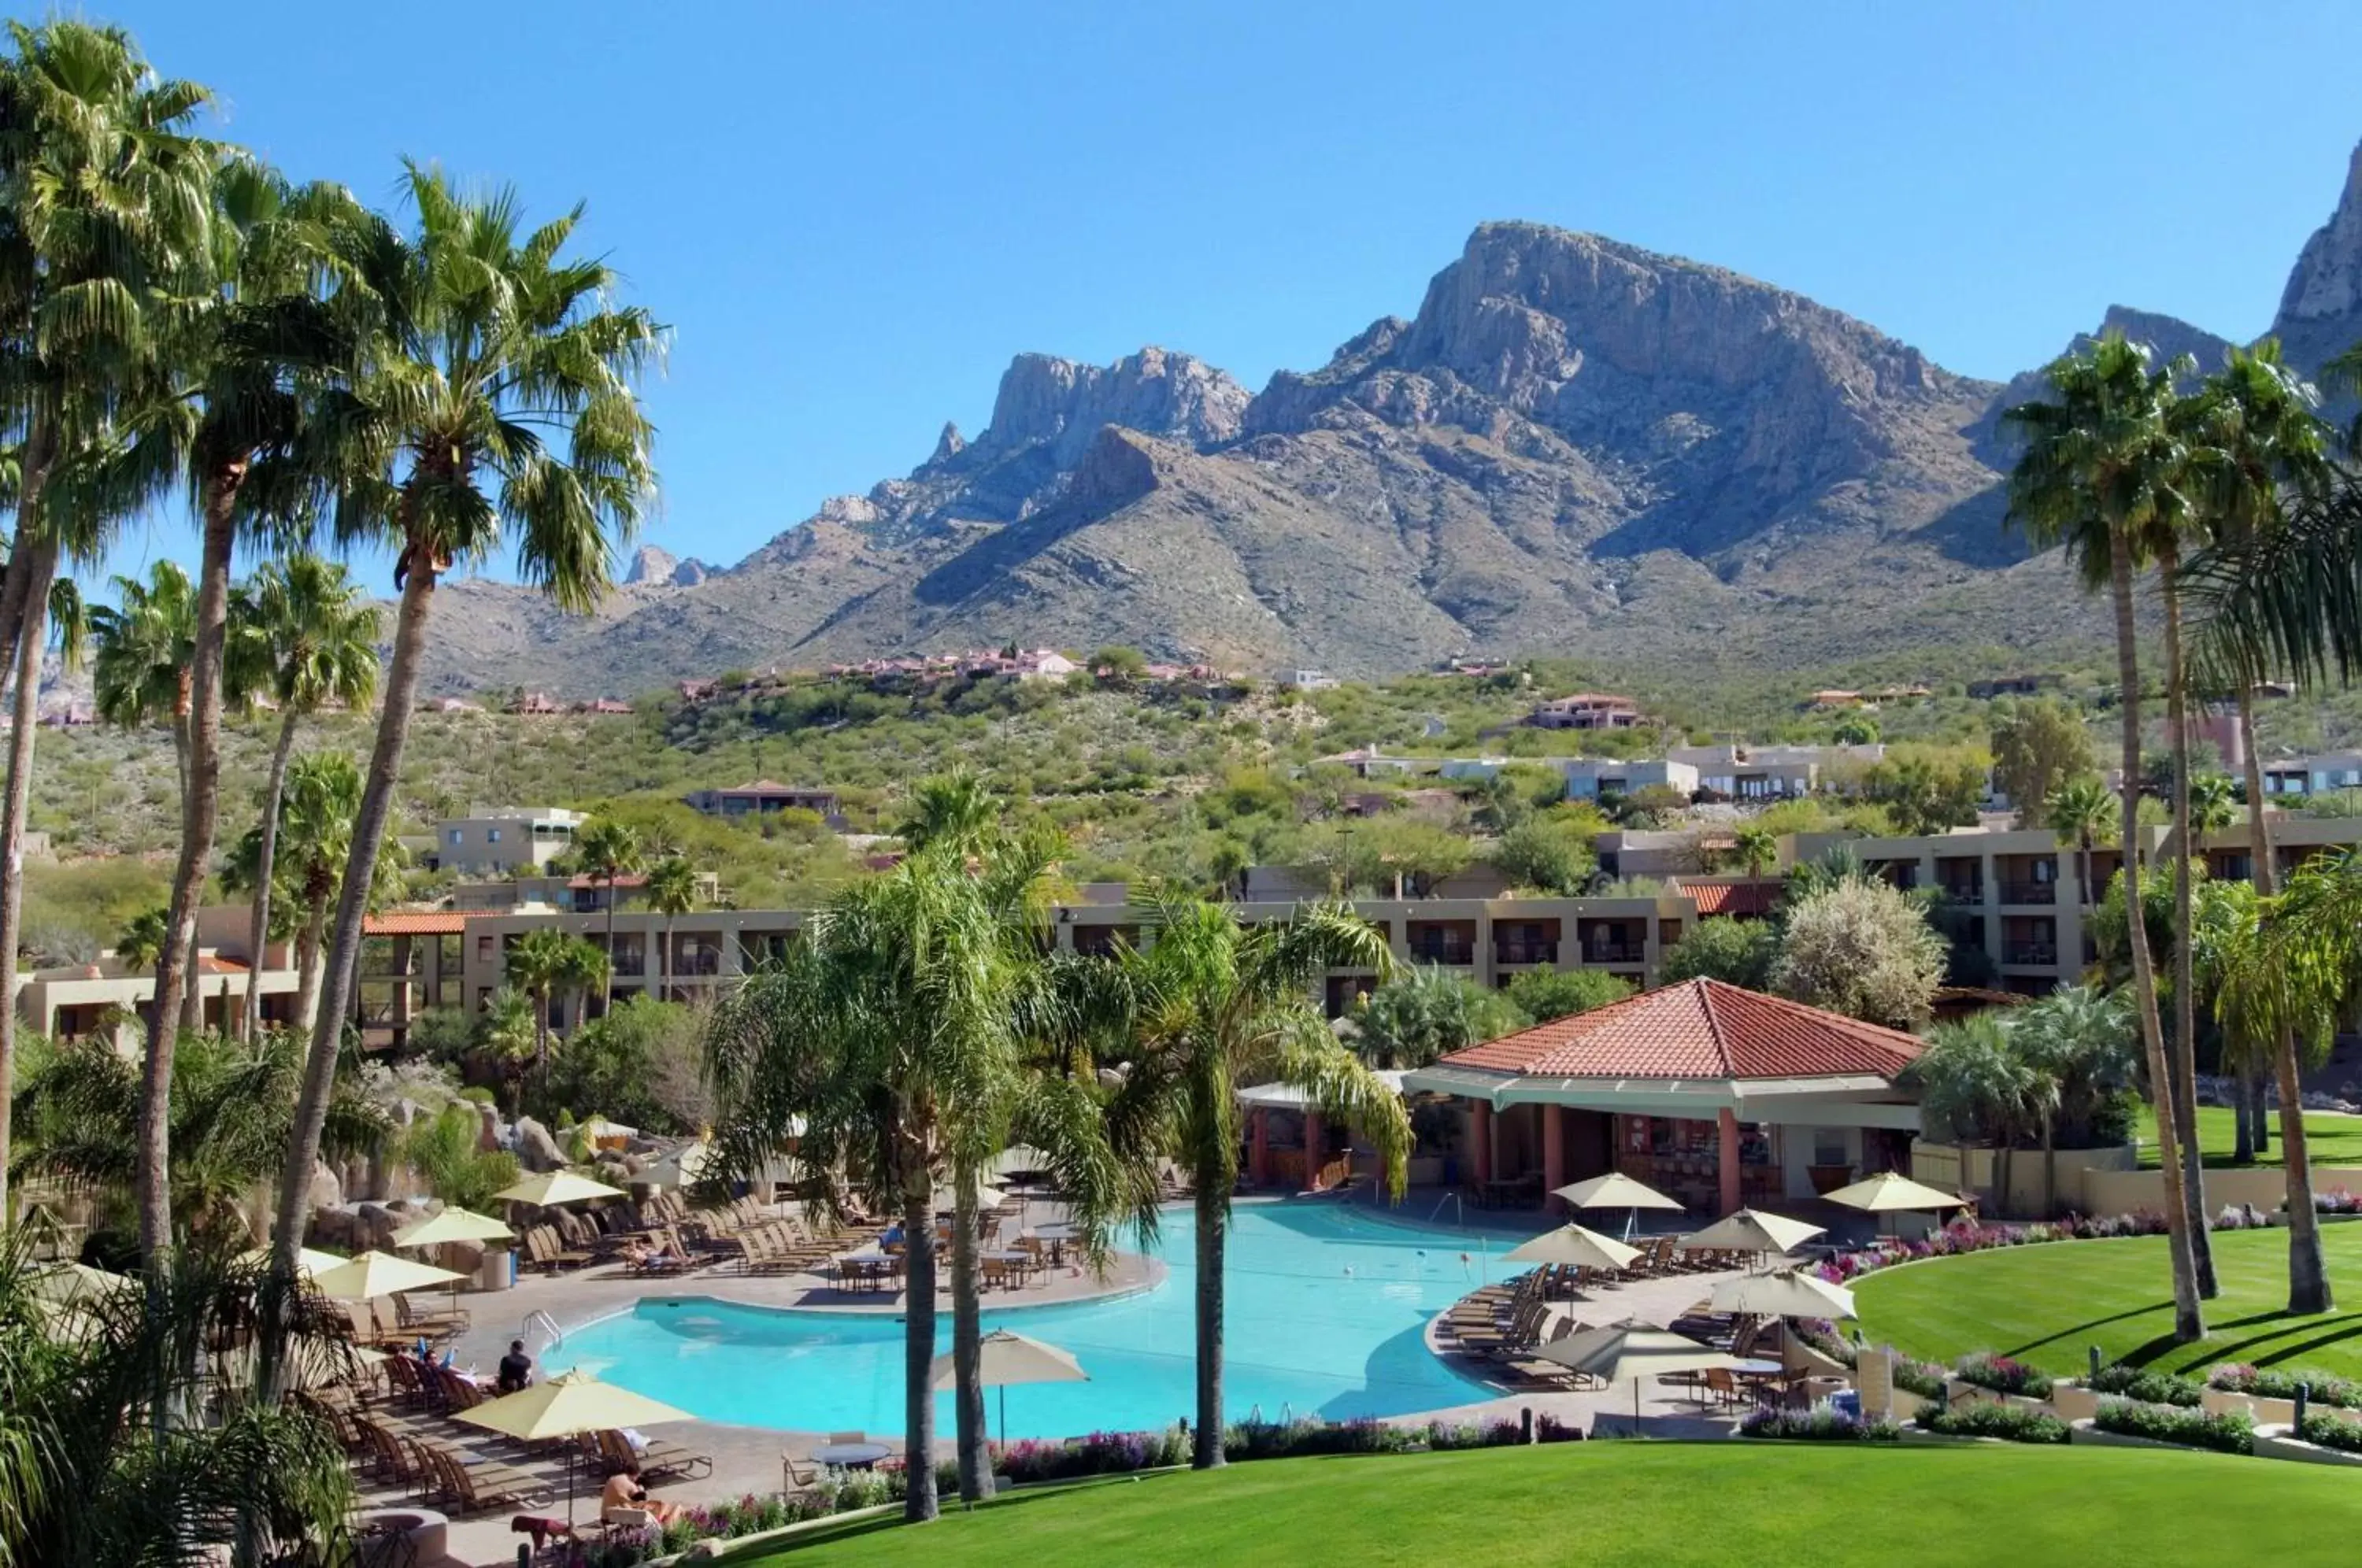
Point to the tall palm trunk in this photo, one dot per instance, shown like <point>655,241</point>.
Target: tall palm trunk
<point>610,991</point>
<point>352,904</point>
<point>2191,1170</point>
<point>257,926</point>
<point>1212,1214</point>
<point>176,968</point>
<point>41,568</point>
<point>2188,1322</point>
<point>967,1343</point>
<point>2262,874</point>
<point>307,967</point>
<point>2308,1272</point>
<point>919,1342</point>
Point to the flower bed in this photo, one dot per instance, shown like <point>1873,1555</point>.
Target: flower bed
<point>749,1515</point>
<point>2012,1423</point>
<point>1923,1378</point>
<point>1965,1236</point>
<point>1817,1426</point>
<point>1100,1453</point>
<point>2003,1376</point>
<point>2332,1431</point>
<point>2281,1382</point>
<point>2228,1433</point>
<point>2148,1387</point>
<point>1492,1434</point>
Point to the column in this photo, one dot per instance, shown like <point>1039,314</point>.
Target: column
<point>399,1013</point>
<point>1553,1157</point>
<point>1479,1140</point>
<point>1313,1135</point>
<point>1727,1157</point>
<point>1259,1146</point>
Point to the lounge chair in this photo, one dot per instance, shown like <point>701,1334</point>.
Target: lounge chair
<point>471,1487</point>
<point>659,1459</point>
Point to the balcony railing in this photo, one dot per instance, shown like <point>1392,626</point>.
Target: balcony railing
<point>1615,953</point>
<point>2044,953</point>
<point>2029,892</point>
<point>1433,950</point>
<point>1524,952</point>
<point>700,961</point>
<point>1965,892</point>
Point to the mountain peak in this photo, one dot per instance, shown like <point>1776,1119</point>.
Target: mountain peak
<point>2320,308</point>
<point>1045,399</point>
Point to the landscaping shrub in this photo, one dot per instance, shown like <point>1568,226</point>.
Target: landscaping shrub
<point>1494,1434</point>
<point>1098,1454</point>
<point>1817,1426</point>
<point>1275,1439</point>
<point>2003,1376</point>
<point>1549,1429</point>
<point>2332,1431</point>
<point>2280,1382</point>
<point>2232,1433</point>
<point>1923,1378</point>
<point>1824,1338</point>
<point>2013,1423</point>
<point>2148,1387</point>
<point>1963,1236</point>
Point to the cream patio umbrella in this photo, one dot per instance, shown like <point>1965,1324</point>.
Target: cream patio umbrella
<point>310,1263</point>
<point>566,1406</point>
<point>1617,1190</point>
<point>552,1188</point>
<point>1573,1244</point>
<point>71,1284</point>
<point>452,1225</point>
<point>1891,1192</point>
<point>1635,1353</point>
<point>1786,1294</point>
<point>368,1276</point>
<point>1750,1230</point>
<point>1006,1358</point>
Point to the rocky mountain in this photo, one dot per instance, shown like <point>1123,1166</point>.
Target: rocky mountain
<point>1575,446</point>
<point>660,569</point>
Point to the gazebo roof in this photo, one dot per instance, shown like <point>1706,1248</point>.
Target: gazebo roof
<point>1697,1030</point>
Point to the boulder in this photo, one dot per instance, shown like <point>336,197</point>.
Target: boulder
<point>331,1228</point>
<point>326,1191</point>
<point>536,1150</point>
<point>373,1227</point>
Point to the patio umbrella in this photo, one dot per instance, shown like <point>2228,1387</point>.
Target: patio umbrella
<point>1617,1190</point>
<point>309,1264</point>
<point>1006,1358</point>
<point>600,1127</point>
<point>566,1406</point>
<point>1633,1351</point>
<point>552,1188</point>
<point>1787,1294</point>
<point>452,1225</point>
<point>1891,1192</point>
<point>1750,1230</point>
<point>986,1195</point>
<point>71,1284</point>
<point>368,1276</point>
<point>1573,1244</point>
<point>1022,1158</point>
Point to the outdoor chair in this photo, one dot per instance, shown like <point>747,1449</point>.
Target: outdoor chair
<point>659,1459</point>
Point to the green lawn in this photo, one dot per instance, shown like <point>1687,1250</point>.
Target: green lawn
<point>2330,1140</point>
<point>2046,1304</point>
<point>1664,1504</point>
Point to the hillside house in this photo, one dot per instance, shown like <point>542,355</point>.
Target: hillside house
<point>1586,711</point>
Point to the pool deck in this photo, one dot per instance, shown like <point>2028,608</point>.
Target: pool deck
<point>747,1459</point>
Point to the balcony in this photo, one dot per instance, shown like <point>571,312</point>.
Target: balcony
<point>2029,892</point>
<point>2037,954</point>
<point>627,966</point>
<point>1530,950</point>
<point>1615,953</point>
<point>697,961</point>
<point>1965,892</point>
<point>1438,950</point>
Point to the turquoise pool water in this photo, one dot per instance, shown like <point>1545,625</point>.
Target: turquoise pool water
<point>1326,1312</point>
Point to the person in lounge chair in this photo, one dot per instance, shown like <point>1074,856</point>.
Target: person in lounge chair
<point>623,1491</point>
<point>639,1255</point>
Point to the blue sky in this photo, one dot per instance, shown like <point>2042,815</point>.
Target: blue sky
<point>853,214</point>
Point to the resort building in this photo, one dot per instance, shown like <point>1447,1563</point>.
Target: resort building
<point>1586,711</point>
<point>1720,1097</point>
<point>1772,772</point>
<point>762,796</point>
<point>2301,776</point>
<point>1588,777</point>
<point>499,841</point>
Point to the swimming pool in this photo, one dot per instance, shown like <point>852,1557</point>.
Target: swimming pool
<point>1326,1312</point>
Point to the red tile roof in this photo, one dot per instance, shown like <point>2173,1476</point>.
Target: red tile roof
<point>1732,898</point>
<point>1698,1028</point>
<point>416,923</point>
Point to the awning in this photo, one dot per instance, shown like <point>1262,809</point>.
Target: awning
<point>1805,1102</point>
<point>1289,1096</point>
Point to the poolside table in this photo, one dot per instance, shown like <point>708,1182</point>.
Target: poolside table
<point>850,1455</point>
<point>1057,1234</point>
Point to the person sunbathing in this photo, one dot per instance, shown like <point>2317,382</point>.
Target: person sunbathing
<point>639,1255</point>
<point>623,1490</point>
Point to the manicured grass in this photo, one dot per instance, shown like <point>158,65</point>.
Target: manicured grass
<point>2046,1304</point>
<point>2330,1140</point>
<point>1664,1504</point>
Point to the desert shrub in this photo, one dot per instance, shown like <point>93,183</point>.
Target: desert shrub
<point>2232,1433</point>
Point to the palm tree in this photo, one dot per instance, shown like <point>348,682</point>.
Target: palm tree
<point>104,197</point>
<point>316,635</point>
<point>507,1032</point>
<point>2289,982</point>
<point>2079,1040</point>
<point>142,938</point>
<point>500,395</point>
<point>876,1034</point>
<point>2099,474</point>
<point>608,850</point>
<point>1214,1006</point>
<point>544,962</point>
<point>1757,847</point>
<point>2078,812</point>
<point>672,892</point>
<point>1976,1085</point>
<point>955,808</point>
